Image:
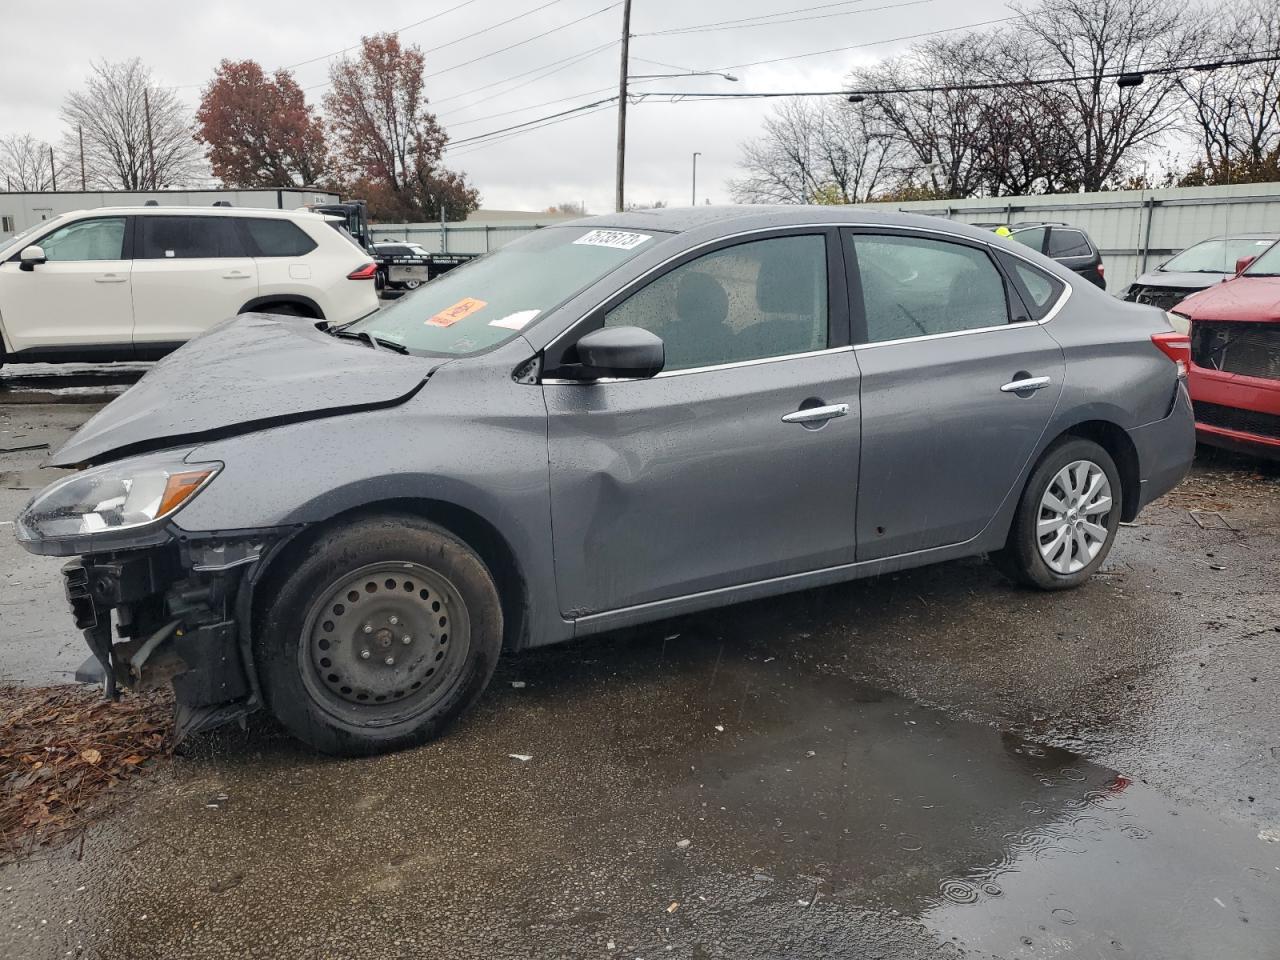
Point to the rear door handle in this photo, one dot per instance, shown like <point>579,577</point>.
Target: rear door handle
<point>110,278</point>
<point>235,275</point>
<point>817,414</point>
<point>1027,385</point>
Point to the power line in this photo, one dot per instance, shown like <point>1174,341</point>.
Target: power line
<point>492,53</point>
<point>496,141</point>
<point>396,31</point>
<point>742,24</point>
<point>566,61</point>
<point>531,106</point>
<point>520,43</point>
<point>536,120</point>
<point>870,43</point>
<point>966,87</point>
<point>493,26</point>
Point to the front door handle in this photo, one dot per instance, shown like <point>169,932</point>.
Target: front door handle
<point>1026,385</point>
<point>235,275</point>
<point>817,414</point>
<point>110,278</point>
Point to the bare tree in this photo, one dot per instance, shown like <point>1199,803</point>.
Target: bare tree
<point>814,152</point>
<point>1111,124</point>
<point>137,136</point>
<point>25,163</point>
<point>940,132</point>
<point>1236,110</point>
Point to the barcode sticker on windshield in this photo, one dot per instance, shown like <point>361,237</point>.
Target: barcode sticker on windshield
<point>618,239</point>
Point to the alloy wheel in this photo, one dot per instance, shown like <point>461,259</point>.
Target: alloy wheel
<point>1072,526</point>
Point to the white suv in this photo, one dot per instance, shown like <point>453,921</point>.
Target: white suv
<point>134,283</point>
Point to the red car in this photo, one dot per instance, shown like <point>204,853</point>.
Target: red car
<point>1235,357</point>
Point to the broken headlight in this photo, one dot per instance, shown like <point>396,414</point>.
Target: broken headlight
<point>116,497</point>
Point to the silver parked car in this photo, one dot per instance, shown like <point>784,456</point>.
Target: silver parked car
<point>1200,266</point>
<point>604,423</point>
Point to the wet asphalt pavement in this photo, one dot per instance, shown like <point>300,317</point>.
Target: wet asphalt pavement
<point>930,764</point>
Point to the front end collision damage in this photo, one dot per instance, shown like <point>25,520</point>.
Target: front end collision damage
<point>181,613</point>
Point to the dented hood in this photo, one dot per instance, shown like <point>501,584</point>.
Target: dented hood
<point>251,372</point>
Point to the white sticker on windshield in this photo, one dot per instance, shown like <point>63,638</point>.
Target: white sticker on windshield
<point>618,239</point>
<point>515,321</point>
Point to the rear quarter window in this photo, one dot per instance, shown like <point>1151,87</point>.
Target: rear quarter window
<point>1039,290</point>
<point>1068,243</point>
<point>277,238</point>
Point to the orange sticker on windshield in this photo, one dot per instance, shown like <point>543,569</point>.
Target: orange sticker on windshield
<point>459,311</point>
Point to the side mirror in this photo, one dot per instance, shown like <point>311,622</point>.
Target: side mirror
<point>621,352</point>
<point>1243,264</point>
<point>30,257</point>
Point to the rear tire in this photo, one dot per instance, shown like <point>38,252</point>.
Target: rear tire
<point>1066,519</point>
<point>379,636</point>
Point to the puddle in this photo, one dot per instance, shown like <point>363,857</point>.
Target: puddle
<point>820,816</point>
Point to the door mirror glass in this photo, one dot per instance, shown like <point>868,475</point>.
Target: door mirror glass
<point>1241,265</point>
<point>620,352</point>
<point>31,256</point>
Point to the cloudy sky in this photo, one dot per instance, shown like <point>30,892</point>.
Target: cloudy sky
<point>476,89</point>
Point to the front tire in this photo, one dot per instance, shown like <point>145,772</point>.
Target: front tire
<point>383,633</point>
<point>1066,519</point>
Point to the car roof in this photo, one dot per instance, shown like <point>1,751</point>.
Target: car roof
<point>733,218</point>
<point>198,211</point>
<point>1238,236</point>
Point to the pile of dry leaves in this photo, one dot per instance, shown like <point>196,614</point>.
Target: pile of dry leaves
<point>63,750</point>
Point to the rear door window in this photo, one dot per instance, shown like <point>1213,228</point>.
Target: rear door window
<point>919,287</point>
<point>277,238</point>
<point>1039,290</point>
<point>1068,243</point>
<point>187,238</point>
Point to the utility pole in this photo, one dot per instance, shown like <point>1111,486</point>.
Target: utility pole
<point>80,132</point>
<point>53,173</point>
<point>151,143</point>
<point>619,200</point>
<point>694,193</point>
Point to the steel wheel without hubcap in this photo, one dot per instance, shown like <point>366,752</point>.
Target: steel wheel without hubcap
<point>384,643</point>
<point>1073,521</point>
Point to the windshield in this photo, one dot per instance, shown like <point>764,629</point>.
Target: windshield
<point>1215,256</point>
<point>1267,265</point>
<point>488,301</point>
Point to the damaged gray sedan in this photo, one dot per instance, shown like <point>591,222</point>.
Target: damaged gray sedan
<point>605,423</point>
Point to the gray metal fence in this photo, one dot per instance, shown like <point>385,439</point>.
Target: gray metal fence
<point>454,237</point>
<point>1135,229</point>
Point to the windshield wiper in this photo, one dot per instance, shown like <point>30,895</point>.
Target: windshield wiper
<point>372,342</point>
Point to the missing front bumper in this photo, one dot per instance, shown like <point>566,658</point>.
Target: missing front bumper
<point>173,623</point>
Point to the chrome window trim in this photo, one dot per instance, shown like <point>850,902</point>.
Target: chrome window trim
<point>834,225</point>
<point>559,382</point>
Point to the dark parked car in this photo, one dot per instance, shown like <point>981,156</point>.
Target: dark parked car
<point>604,423</point>
<point>1070,246</point>
<point>1200,266</point>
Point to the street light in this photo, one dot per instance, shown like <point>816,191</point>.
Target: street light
<point>691,73</point>
<point>694,197</point>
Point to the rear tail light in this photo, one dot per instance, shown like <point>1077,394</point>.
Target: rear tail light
<point>1177,347</point>
<point>1102,272</point>
<point>366,272</point>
